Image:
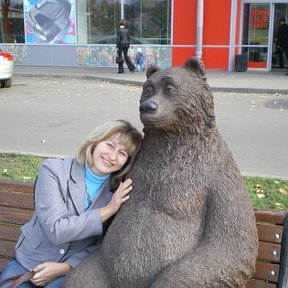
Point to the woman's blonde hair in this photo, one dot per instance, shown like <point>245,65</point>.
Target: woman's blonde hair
<point>126,134</point>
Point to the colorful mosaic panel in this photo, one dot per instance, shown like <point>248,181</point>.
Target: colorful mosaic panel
<point>105,55</point>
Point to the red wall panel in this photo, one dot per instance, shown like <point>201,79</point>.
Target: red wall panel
<point>216,32</point>
<point>216,58</point>
<point>184,22</point>
<point>181,54</point>
<point>216,22</point>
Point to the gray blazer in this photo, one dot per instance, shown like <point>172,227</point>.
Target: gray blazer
<point>60,230</point>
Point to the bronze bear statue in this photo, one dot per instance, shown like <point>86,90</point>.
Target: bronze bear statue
<point>189,221</point>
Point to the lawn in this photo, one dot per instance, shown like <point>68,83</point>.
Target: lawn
<point>270,193</point>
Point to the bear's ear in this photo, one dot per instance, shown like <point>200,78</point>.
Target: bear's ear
<point>195,64</point>
<point>151,70</point>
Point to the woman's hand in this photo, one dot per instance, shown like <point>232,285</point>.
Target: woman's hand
<point>118,198</point>
<point>49,271</point>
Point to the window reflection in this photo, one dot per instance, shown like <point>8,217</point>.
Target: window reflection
<point>256,33</point>
<point>12,22</point>
<point>102,20</point>
<point>256,54</point>
<point>256,24</point>
<point>149,21</point>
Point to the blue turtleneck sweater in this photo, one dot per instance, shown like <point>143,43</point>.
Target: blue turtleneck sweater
<point>93,185</point>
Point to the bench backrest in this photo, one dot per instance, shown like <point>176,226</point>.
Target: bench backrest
<point>272,261</point>
<point>16,208</point>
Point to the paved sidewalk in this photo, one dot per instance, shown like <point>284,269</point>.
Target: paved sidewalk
<point>250,81</point>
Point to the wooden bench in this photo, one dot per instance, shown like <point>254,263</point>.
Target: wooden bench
<point>272,262</point>
<point>16,208</point>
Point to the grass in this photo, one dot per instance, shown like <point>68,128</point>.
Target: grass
<point>19,167</point>
<point>269,193</point>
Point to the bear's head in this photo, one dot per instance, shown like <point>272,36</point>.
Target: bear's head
<point>177,99</point>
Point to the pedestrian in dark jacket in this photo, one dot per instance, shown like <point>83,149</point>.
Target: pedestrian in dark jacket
<point>123,44</point>
<point>282,42</point>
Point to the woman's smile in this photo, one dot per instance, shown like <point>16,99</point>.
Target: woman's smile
<point>108,156</point>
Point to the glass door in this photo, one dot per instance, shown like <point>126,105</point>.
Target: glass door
<point>255,34</point>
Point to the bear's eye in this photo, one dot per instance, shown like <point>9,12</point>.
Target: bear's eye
<point>149,91</point>
<point>169,90</point>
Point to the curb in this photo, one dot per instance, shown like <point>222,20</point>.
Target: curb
<point>88,77</point>
<point>140,83</point>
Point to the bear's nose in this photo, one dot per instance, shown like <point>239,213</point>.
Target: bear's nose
<point>148,106</point>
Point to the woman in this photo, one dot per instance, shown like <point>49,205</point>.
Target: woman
<point>73,203</point>
<point>123,44</point>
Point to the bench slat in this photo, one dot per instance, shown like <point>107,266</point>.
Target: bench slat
<point>7,248</point>
<point>269,252</point>
<point>15,216</point>
<point>259,284</point>
<point>269,216</point>
<point>16,200</point>
<point>270,233</point>
<point>267,272</point>
<point>8,185</point>
<point>9,232</point>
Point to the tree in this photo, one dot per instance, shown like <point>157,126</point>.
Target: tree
<point>5,24</point>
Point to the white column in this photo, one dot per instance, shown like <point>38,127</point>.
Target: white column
<point>199,33</point>
<point>122,9</point>
<point>232,36</point>
<point>82,30</point>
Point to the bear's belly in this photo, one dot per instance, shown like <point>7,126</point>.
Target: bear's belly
<point>143,243</point>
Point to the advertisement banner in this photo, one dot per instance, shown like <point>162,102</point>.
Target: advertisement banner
<point>50,21</point>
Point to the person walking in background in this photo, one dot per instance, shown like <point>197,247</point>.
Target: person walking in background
<point>282,42</point>
<point>123,45</point>
<point>139,60</point>
<point>75,200</point>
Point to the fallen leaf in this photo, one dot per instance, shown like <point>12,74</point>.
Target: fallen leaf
<point>259,189</point>
<point>283,191</point>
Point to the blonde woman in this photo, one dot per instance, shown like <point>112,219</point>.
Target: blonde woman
<point>74,200</point>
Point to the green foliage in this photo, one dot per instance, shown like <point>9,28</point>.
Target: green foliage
<point>19,167</point>
<point>269,193</point>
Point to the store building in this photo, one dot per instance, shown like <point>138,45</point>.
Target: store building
<point>83,33</point>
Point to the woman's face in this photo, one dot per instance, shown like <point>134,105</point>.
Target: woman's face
<point>109,156</point>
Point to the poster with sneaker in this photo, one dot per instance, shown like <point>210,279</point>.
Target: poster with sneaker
<point>50,21</point>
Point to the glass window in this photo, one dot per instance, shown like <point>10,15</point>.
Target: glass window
<point>256,24</point>
<point>149,21</point>
<point>256,33</point>
<point>12,22</point>
<point>102,21</point>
